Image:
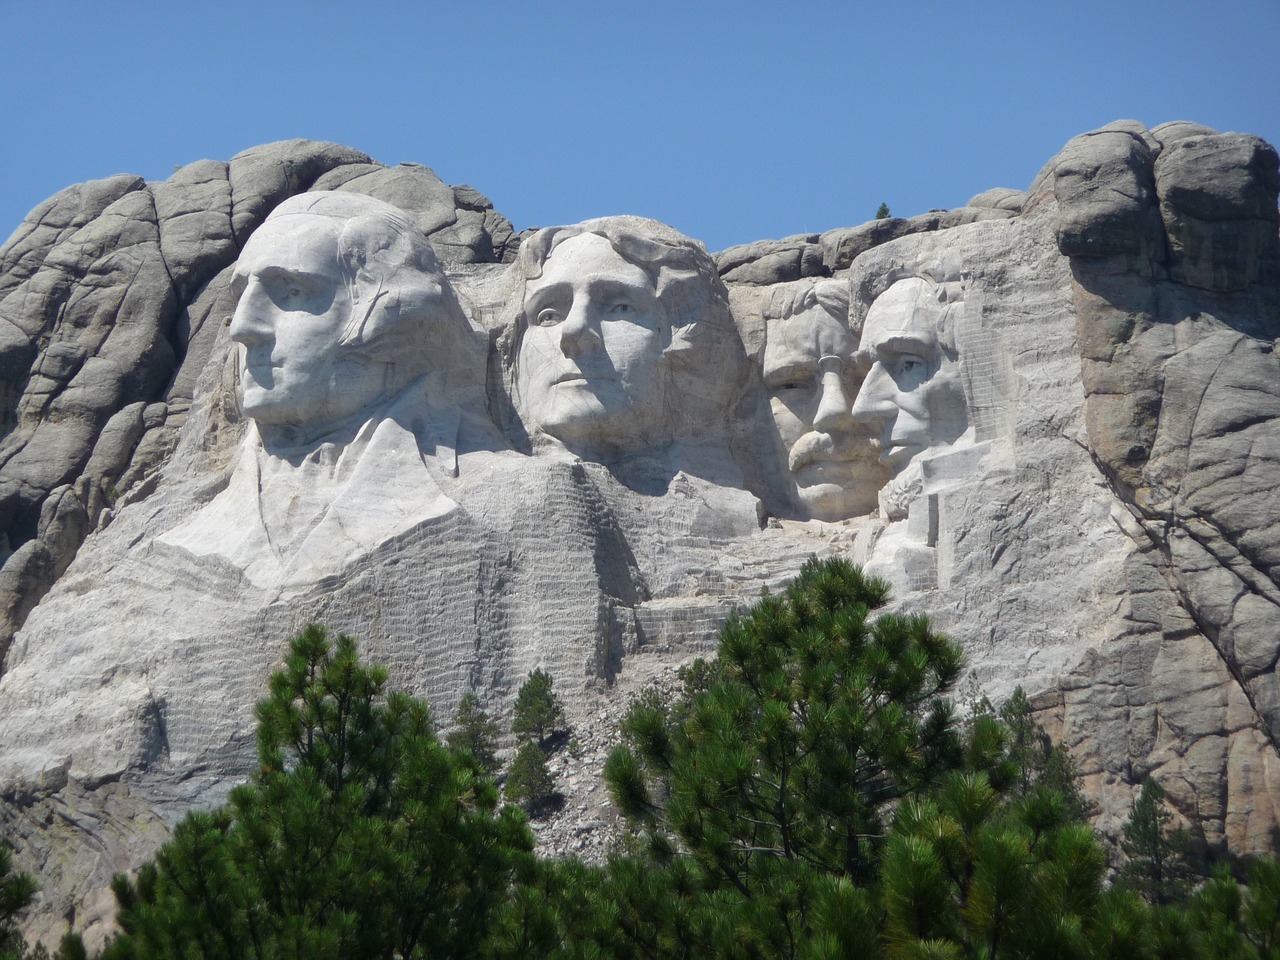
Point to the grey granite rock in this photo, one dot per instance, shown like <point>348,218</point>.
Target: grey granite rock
<point>1078,480</point>
<point>1218,204</point>
<point>106,291</point>
<point>1000,198</point>
<point>772,261</point>
<point>1105,190</point>
<point>262,177</point>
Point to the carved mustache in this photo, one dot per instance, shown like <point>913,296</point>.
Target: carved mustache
<point>814,447</point>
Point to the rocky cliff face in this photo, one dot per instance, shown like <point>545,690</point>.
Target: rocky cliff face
<point>1069,396</point>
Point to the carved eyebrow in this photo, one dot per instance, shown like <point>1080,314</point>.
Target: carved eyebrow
<point>277,272</point>
<point>542,294</point>
<point>796,369</point>
<point>606,286</point>
<point>906,343</point>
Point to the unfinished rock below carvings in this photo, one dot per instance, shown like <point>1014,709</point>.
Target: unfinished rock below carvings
<point>1049,418</point>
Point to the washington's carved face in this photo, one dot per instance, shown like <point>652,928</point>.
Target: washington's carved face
<point>590,369</point>
<point>296,373</point>
<point>809,372</point>
<point>912,396</point>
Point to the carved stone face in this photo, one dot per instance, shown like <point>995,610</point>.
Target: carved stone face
<point>809,371</point>
<point>913,396</point>
<point>296,373</point>
<point>590,369</point>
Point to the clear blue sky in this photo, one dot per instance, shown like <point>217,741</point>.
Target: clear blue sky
<point>731,121</point>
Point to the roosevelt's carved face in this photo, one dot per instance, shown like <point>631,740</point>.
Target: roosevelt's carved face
<point>296,373</point>
<point>913,396</point>
<point>590,369</point>
<point>809,372</point>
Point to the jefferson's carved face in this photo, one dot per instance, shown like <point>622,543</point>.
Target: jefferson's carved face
<point>809,372</point>
<point>912,396</point>
<point>296,373</point>
<point>590,369</point>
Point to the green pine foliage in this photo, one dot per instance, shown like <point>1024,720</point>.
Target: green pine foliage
<point>1222,920</point>
<point>882,212</point>
<point>822,718</point>
<point>763,797</point>
<point>814,795</point>
<point>360,836</point>
<point>538,711</point>
<point>1037,761</point>
<point>990,875</point>
<point>475,732</point>
<point>1157,862</point>
<point>529,781</point>
<point>810,793</point>
<point>17,890</point>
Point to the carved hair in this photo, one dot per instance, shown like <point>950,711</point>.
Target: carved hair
<point>702,350</point>
<point>831,295</point>
<point>680,269</point>
<point>395,281</point>
<point>949,295</point>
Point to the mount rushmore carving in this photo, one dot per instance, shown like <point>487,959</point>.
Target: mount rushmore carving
<point>302,386</point>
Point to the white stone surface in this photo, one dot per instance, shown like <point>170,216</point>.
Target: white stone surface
<point>812,376</point>
<point>1083,444</point>
<point>354,354</point>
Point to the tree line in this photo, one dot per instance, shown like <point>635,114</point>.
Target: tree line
<point>812,792</point>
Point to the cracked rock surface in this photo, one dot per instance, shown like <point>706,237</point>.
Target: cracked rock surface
<point>105,290</point>
<point>1110,541</point>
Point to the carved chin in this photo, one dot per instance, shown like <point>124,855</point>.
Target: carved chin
<point>599,412</point>
<point>268,406</point>
<point>574,410</point>
<point>830,502</point>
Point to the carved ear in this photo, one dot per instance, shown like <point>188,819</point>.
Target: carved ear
<point>951,292</point>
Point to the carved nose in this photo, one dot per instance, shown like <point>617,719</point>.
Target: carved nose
<point>249,324</point>
<point>833,405</point>
<point>874,403</point>
<point>578,334</point>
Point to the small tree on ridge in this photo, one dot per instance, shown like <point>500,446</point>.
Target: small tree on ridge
<point>538,711</point>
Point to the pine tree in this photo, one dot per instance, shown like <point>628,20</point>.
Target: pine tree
<point>1038,760</point>
<point>991,876</point>
<point>17,890</point>
<point>882,212</point>
<point>776,777</point>
<point>476,733</point>
<point>1026,739</point>
<point>538,711</point>
<point>1261,910</point>
<point>360,836</point>
<point>529,781</point>
<point>1157,866</point>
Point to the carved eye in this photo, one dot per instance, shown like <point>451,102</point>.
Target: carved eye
<point>620,307</point>
<point>910,363</point>
<point>547,317</point>
<point>793,386</point>
<point>294,292</point>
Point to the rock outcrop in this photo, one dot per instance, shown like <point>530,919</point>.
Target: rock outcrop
<point>1050,418</point>
<point>104,293</point>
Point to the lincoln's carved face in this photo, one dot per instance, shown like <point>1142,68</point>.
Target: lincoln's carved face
<point>810,374</point>
<point>913,396</point>
<point>590,370</point>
